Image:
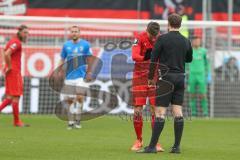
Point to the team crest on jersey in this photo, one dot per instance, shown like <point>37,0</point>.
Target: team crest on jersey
<point>135,42</point>
<point>14,46</point>
<point>81,48</point>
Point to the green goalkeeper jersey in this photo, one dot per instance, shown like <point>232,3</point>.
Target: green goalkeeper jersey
<point>200,62</point>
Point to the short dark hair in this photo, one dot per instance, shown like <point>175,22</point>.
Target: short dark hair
<point>175,20</point>
<point>75,27</point>
<point>153,28</point>
<point>22,27</point>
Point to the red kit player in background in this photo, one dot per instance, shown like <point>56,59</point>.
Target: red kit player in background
<point>12,71</point>
<point>141,53</point>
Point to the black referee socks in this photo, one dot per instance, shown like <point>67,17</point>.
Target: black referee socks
<point>157,129</point>
<point>178,130</point>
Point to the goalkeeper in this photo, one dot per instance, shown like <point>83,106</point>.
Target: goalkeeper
<point>198,70</point>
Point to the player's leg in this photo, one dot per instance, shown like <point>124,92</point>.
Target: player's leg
<point>162,102</point>
<point>177,102</point>
<point>138,125</point>
<point>79,106</point>
<point>203,95</point>
<point>160,112</point>
<point>14,88</point>
<point>193,96</point>
<point>178,127</point>
<point>139,97</point>
<point>69,101</point>
<point>70,112</point>
<point>7,101</point>
<point>152,109</point>
<point>15,107</point>
<point>193,104</point>
<point>12,84</point>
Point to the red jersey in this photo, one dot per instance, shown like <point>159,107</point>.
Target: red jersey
<point>16,46</point>
<point>141,44</point>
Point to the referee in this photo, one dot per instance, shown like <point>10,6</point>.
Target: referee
<point>173,50</point>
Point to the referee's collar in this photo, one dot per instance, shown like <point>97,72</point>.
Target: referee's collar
<point>174,31</point>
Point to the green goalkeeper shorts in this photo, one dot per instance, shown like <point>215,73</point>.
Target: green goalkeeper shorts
<point>197,83</point>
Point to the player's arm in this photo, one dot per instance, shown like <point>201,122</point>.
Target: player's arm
<point>63,57</point>
<point>136,51</point>
<point>60,63</point>
<point>154,60</point>
<point>7,60</point>
<point>206,61</point>
<point>90,64</point>
<point>2,56</point>
<point>207,67</point>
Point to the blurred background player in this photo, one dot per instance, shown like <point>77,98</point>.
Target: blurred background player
<point>141,53</point>
<point>181,11</point>
<point>198,73</point>
<point>73,54</point>
<point>12,71</point>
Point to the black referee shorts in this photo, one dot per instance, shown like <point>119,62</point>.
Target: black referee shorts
<point>176,96</point>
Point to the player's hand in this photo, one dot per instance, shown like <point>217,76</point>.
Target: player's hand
<point>61,73</point>
<point>151,83</point>
<point>88,77</point>
<point>6,70</point>
<point>209,78</point>
<point>148,54</point>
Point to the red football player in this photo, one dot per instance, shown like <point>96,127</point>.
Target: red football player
<point>141,53</point>
<point>12,72</point>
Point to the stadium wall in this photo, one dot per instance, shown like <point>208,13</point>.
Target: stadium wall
<point>148,9</point>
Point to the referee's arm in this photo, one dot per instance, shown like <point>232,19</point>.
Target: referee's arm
<point>154,58</point>
<point>189,54</point>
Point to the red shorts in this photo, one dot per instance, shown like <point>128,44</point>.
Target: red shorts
<point>14,83</point>
<point>140,89</point>
<point>140,95</point>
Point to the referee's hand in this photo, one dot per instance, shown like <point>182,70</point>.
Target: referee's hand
<point>151,83</point>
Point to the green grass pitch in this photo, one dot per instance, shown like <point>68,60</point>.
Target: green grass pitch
<point>109,138</point>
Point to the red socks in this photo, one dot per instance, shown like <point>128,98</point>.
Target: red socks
<point>138,124</point>
<point>153,120</point>
<point>5,103</point>
<point>15,112</point>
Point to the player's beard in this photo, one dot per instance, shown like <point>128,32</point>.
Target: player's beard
<point>23,39</point>
<point>75,38</point>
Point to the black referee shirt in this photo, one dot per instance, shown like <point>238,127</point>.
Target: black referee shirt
<point>173,50</point>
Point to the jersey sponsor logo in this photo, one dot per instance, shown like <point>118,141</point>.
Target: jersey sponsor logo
<point>75,51</point>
